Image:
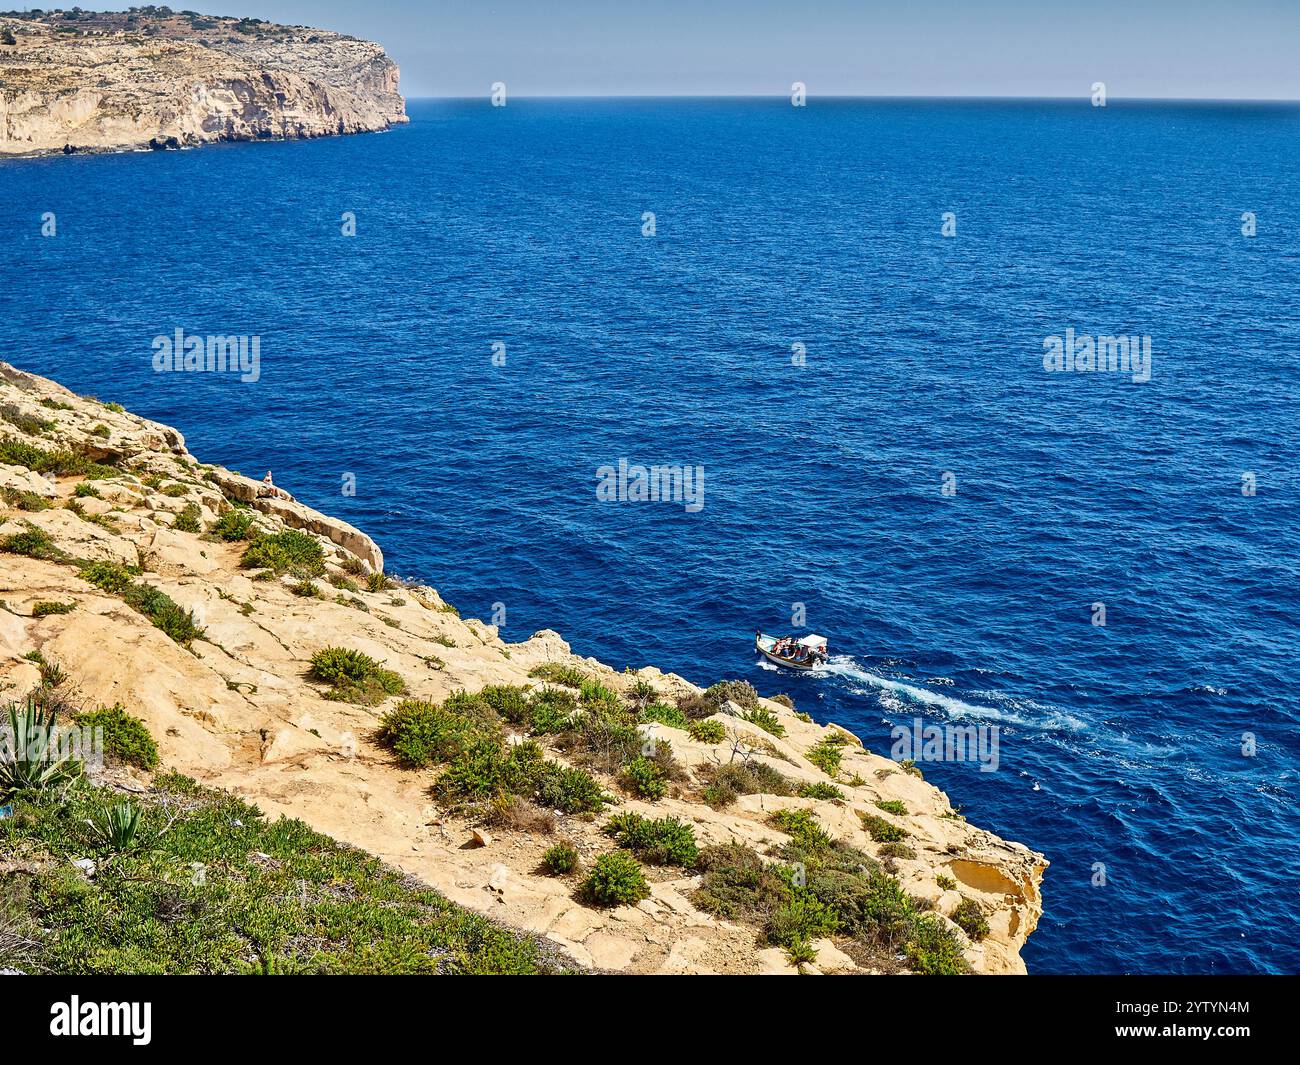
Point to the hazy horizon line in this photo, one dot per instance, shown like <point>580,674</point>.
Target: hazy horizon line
<point>1082,99</point>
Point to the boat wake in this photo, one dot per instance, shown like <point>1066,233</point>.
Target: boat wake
<point>952,707</point>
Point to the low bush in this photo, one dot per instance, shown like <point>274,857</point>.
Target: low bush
<point>665,841</point>
<point>164,612</point>
<point>969,917</point>
<point>800,919</point>
<point>726,783</point>
<point>707,731</point>
<point>421,733</point>
<point>45,608</point>
<point>188,519</point>
<point>291,549</point>
<point>826,755</point>
<point>24,499</point>
<point>803,828</point>
<point>34,543</point>
<point>881,830</point>
<point>615,880</point>
<point>892,806</point>
<point>560,859</point>
<point>354,677</point>
<point>556,673</point>
<point>764,719</point>
<point>665,714</point>
<point>820,790</point>
<point>126,737</point>
<point>234,525</point>
<point>645,779</point>
<point>111,577</point>
<point>740,692</point>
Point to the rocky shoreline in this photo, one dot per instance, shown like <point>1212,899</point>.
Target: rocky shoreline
<point>73,83</point>
<point>748,790</point>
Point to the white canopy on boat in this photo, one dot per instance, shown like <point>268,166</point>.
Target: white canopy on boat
<point>814,641</point>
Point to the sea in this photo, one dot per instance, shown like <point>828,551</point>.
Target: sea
<point>1000,396</point>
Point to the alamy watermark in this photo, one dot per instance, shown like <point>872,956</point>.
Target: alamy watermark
<point>920,742</point>
<point>1076,353</point>
<point>208,354</point>
<point>627,483</point>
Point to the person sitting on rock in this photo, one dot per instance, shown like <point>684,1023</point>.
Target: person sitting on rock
<point>269,490</point>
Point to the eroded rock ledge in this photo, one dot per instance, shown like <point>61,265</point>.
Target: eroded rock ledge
<point>237,708</point>
<point>74,82</point>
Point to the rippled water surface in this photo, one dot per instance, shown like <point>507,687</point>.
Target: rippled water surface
<point>1119,745</point>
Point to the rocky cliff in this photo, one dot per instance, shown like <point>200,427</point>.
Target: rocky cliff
<point>83,81</point>
<point>233,701</point>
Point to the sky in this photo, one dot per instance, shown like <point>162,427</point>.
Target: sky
<point>1195,49</point>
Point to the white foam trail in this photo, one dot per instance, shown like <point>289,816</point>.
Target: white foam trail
<point>844,667</point>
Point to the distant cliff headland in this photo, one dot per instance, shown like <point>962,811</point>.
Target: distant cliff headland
<point>81,81</point>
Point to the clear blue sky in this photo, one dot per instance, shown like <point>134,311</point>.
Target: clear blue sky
<point>1215,49</point>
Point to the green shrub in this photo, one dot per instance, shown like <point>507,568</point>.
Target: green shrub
<point>882,831</point>
<point>233,525</point>
<point>61,462</point>
<point>665,714</point>
<point>800,953</point>
<point>560,859</point>
<point>945,882</point>
<point>111,577</point>
<point>126,738</point>
<point>615,880</point>
<point>803,828</point>
<point>931,948</point>
<point>826,755</point>
<point>569,790</point>
<point>820,790</point>
<point>740,692</point>
<point>802,918</point>
<point>174,490</point>
<point>354,677</point>
<point>969,917</point>
<point>707,731</point>
<point>421,733</point>
<point>24,499</point>
<point>644,778</point>
<point>551,711</point>
<point>728,782</point>
<point>736,884</point>
<point>784,700</point>
<point>764,719</point>
<point>188,519</point>
<point>86,490</point>
<point>32,542</point>
<point>556,673</point>
<point>286,550</point>
<point>378,582</point>
<point>45,608</point>
<point>164,612</point>
<point>897,850</point>
<point>892,806</point>
<point>665,841</point>
<point>508,700</point>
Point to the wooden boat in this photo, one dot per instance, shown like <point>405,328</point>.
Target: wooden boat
<point>805,653</point>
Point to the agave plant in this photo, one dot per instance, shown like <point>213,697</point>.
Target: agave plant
<point>116,829</point>
<point>31,758</point>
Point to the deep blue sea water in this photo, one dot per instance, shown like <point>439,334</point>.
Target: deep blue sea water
<point>775,226</point>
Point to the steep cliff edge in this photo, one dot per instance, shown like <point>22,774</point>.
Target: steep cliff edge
<point>233,702</point>
<point>86,81</point>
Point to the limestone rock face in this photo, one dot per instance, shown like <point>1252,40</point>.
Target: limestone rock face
<point>237,709</point>
<point>102,82</point>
